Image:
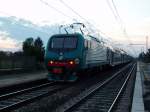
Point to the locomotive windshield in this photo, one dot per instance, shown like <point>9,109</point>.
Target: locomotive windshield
<point>63,43</point>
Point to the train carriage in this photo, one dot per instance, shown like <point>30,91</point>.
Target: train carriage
<point>68,54</point>
<point>95,52</point>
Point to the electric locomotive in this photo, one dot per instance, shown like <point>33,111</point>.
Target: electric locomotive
<point>64,56</point>
<point>68,54</point>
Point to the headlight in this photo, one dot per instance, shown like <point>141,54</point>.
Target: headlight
<point>76,61</point>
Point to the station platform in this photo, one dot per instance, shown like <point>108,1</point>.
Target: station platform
<point>138,104</point>
<point>19,78</point>
<point>145,75</point>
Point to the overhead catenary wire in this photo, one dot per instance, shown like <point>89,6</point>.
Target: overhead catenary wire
<point>117,17</point>
<point>112,10</point>
<point>109,39</point>
<point>76,13</point>
<point>70,8</point>
<point>66,5</point>
<point>115,13</point>
<point>57,10</point>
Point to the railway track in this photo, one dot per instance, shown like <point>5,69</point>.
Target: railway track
<point>15,99</point>
<point>20,98</point>
<point>102,97</point>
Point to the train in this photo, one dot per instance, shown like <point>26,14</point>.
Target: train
<point>67,55</point>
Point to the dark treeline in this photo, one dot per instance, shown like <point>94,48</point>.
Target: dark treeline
<point>34,48</point>
<point>145,57</point>
<point>32,51</point>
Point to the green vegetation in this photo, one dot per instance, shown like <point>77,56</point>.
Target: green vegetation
<point>31,57</point>
<point>9,60</point>
<point>34,48</point>
<point>145,57</point>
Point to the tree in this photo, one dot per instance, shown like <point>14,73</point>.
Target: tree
<point>148,53</point>
<point>39,49</point>
<point>145,57</point>
<point>28,47</point>
<point>34,48</point>
<point>141,56</point>
<point>148,56</point>
<point>18,53</point>
<point>2,54</point>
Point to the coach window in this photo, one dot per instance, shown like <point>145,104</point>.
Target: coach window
<point>92,44</point>
<point>86,44</point>
<point>89,44</point>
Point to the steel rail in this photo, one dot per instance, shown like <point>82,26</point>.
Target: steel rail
<point>14,100</point>
<point>121,89</point>
<point>25,90</point>
<point>75,101</point>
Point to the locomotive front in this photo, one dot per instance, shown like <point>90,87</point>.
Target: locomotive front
<point>63,56</point>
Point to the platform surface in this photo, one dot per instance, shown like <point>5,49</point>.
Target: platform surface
<point>138,104</point>
<point>145,71</point>
<point>13,79</point>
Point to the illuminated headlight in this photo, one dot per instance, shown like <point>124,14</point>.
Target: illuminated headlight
<point>51,62</point>
<point>76,61</point>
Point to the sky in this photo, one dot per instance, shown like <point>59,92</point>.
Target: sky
<point>126,23</point>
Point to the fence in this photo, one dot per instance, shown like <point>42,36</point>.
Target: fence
<point>15,62</point>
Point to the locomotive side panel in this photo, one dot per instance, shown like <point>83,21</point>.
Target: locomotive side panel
<point>96,54</point>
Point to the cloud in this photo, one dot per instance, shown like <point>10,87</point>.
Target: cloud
<point>20,29</point>
<point>1,23</point>
<point>7,43</point>
<point>15,30</point>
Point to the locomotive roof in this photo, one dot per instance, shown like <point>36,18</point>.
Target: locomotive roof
<point>74,34</point>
